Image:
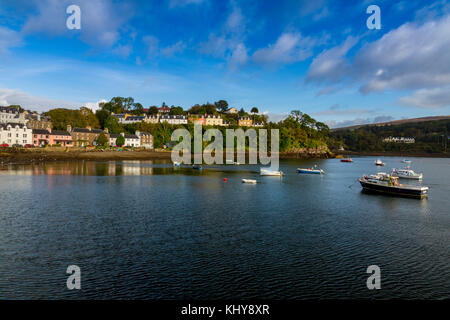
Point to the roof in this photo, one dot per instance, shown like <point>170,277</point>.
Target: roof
<point>85,130</point>
<point>9,110</point>
<point>60,133</point>
<point>40,131</point>
<point>173,116</point>
<point>114,135</point>
<point>131,136</point>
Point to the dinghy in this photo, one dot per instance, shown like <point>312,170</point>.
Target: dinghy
<point>267,172</point>
<point>249,181</point>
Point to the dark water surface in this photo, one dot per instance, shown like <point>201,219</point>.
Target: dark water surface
<point>143,230</point>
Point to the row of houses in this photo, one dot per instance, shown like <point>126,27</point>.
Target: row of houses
<point>399,140</point>
<point>19,134</point>
<point>33,120</point>
<point>203,119</point>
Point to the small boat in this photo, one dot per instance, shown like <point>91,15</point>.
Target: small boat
<point>232,162</point>
<point>196,167</point>
<point>176,164</point>
<point>310,171</point>
<point>347,160</point>
<point>406,161</point>
<point>267,172</point>
<point>407,174</point>
<point>387,184</point>
<point>378,162</point>
<point>249,181</point>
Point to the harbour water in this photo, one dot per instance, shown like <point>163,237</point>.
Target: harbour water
<point>146,230</point>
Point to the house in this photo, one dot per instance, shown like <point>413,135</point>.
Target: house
<point>232,110</point>
<point>85,136</point>
<point>152,118</point>
<point>15,133</point>
<point>12,115</point>
<point>173,119</point>
<point>197,119</point>
<point>132,119</point>
<point>146,139</point>
<point>37,121</point>
<point>245,122</point>
<point>213,120</point>
<point>41,137</point>
<point>258,124</point>
<point>63,138</point>
<point>131,140</point>
<point>164,109</point>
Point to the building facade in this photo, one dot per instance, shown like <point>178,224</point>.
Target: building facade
<point>146,139</point>
<point>152,118</point>
<point>15,134</point>
<point>213,120</point>
<point>245,122</point>
<point>63,138</point>
<point>82,137</point>
<point>399,140</point>
<point>12,115</point>
<point>173,119</point>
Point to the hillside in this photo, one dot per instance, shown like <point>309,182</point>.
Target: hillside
<point>430,135</point>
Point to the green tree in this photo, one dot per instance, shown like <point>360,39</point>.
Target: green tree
<point>102,115</point>
<point>102,139</point>
<point>120,141</point>
<point>153,110</point>
<point>113,125</point>
<point>254,110</point>
<point>221,105</point>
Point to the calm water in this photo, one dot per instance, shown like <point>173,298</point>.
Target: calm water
<point>143,230</point>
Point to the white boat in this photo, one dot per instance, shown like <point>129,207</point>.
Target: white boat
<point>406,161</point>
<point>176,164</point>
<point>387,184</point>
<point>267,172</point>
<point>378,162</point>
<point>249,181</point>
<point>407,174</point>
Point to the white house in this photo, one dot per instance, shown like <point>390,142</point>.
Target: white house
<point>12,115</point>
<point>131,140</point>
<point>15,133</point>
<point>173,119</point>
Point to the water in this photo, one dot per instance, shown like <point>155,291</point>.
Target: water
<point>144,230</point>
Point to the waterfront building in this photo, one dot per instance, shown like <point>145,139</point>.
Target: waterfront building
<point>173,119</point>
<point>85,136</point>
<point>60,137</point>
<point>245,122</point>
<point>41,137</point>
<point>15,133</point>
<point>146,139</point>
<point>37,121</point>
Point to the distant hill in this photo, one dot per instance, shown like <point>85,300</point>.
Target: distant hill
<point>395,122</point>
<point>430,134</point>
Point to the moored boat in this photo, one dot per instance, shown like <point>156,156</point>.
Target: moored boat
<point>176,164</point>
<point>347,160</point>
<point>252,181</point>
<point>386,184</point>
<point>267,172</point>
<point>310,171</point>
<point>406,161</point>
<point>378,162</point>
<point>407,174</point>
<point>197,167</point>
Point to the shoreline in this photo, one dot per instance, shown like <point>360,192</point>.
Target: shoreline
<point>392,154</point>
<point>49,155</point>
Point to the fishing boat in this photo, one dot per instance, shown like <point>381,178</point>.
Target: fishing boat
<point>267,172</point>
<point>406,161</point>
<point>347,160</point>
<point>387,184</point>
<point>378,162</point>
<point>407,174</point>
<point>252,181</point>
<point>310,171</point>
<point>197,167</point>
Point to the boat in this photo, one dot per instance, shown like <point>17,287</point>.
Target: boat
<point>310,171</point>
<point>378,162</point>
<point>249,181</point>
<point>176,164</point>
<point>347,160</point>
<point>232,162</point>
<point>387,184</point>
<point>196,167</point>
<point>267,172</point>
<point>407,174</point>
<point>406,161</point>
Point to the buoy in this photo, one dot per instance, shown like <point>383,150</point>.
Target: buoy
<point>225,179</point>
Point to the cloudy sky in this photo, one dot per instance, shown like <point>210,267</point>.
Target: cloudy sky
<point>316,56</point>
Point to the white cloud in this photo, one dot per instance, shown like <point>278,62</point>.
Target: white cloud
<point>428,98</point>
<point>101,20</point>
<point>357,121</point>
<point>177,47</point>
<point>9,39</point>
<point>94,106</point>
<point>289,48</point>
<point>182,3</point>
<point>154,49</point>
<point>239,56</point>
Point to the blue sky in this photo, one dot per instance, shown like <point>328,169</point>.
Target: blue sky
<point>316,56</point>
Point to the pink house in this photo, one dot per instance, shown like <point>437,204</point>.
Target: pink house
<point>42,137</point>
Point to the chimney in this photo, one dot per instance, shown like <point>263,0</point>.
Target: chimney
<point>69,128</point>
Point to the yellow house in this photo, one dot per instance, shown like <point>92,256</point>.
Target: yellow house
<point>213,120</point>
<point>245,122</point>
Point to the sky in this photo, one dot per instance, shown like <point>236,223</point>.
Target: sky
<point>318,56</point>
